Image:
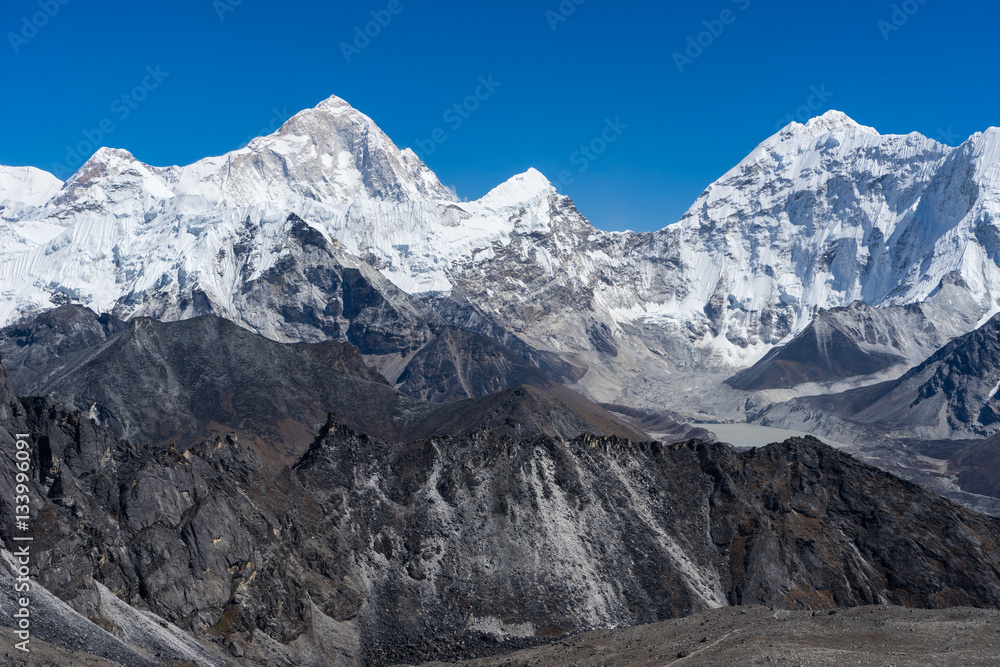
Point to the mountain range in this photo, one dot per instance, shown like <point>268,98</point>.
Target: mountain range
<point>300,404</point>
<point>818,216</point>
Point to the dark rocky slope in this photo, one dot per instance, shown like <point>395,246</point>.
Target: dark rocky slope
<point>977,468</point>
<point>861,340</point>
<point>953,394</point>
<point>460,546</point>
<point>823,352</point>
<point>316,292</point>
<point>189,381</point>
<point>457,310</point>
<point>457,363</point>
<point>39,345</point>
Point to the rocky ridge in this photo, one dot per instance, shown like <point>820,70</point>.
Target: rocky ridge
<point>465,546</point>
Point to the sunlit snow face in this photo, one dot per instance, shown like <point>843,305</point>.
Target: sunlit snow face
<point>817,216</point>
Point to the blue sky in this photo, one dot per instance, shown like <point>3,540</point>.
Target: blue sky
<point>211,74</point>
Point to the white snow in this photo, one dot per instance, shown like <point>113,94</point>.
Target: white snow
<point>27,186</point>
<point>817,216</point>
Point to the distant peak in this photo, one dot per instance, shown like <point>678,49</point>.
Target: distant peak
<point>334,103</point>
<point>831,121</point>
<point>532,179</point>
<point>105,161</point>
<point>109,162</point>
<point>105,154</point>
<point>333,111</point>
<point>833,118</point>
<point>522,188</point>
<point>329,153</point>
<point>116,163</point>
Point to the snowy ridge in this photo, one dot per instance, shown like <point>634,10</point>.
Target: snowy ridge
<point>27,186</point>
<point>830,212</point>
<point>819,215</point>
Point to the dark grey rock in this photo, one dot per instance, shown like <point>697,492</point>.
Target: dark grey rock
<point>950,395</point>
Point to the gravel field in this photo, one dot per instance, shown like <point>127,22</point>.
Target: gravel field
<point>882,636</point>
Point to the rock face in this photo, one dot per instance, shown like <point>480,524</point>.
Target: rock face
<point>35,346</point>
<point>457,364</point>
<point>978,467</point>
<point>314,291</point>
<point>182,383</point>
<point>860,341</point>
<point>687,527</point>
<point>10,408</point>
<point>953,394</point>
<point>453,547</point>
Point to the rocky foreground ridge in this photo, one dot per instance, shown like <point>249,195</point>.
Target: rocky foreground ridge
<point>366,552</point>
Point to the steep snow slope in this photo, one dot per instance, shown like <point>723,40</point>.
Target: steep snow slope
<point>830,212</point>
<point>26,186</point>
<point>817,216</point>
<point>120,230</point>
<point>22,189</point>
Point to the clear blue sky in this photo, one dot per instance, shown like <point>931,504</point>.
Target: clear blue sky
<point>226,80</point>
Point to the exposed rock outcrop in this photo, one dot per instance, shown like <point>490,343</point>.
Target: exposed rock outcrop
<point>186,382</point>
<point>454,547</point>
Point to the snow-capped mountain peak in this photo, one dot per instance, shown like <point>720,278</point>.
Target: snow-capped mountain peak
<point>336,105</point>
<point>817,216</point>
<point>834,120</point>
<point>27,186</point>
<point>521,189</point>
<point>111,182</point>
<point>108,163</point>
<point>332,154</point>
<point>836,124</point>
